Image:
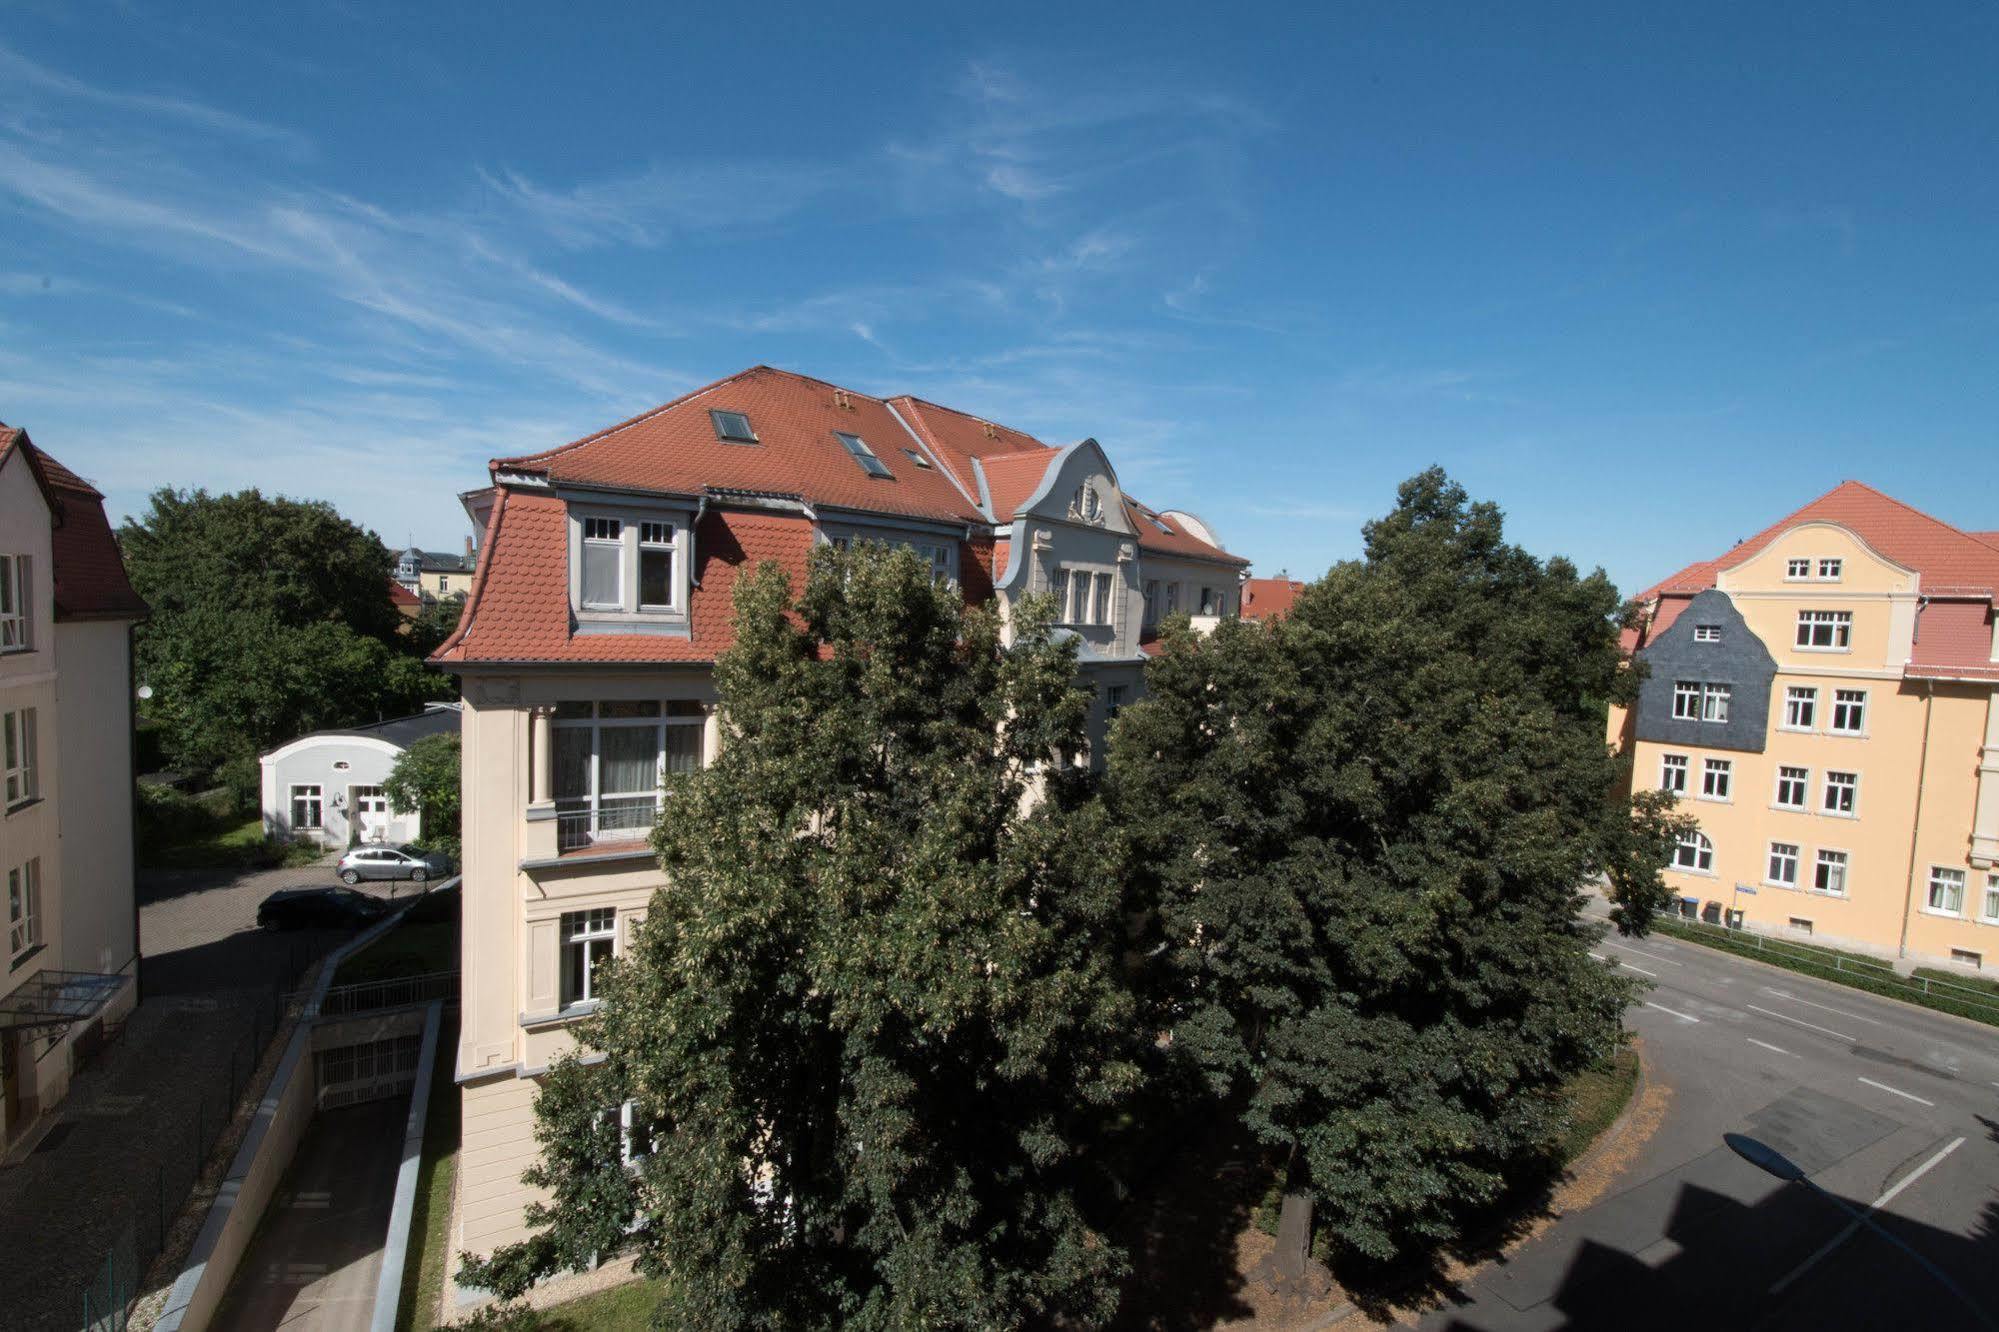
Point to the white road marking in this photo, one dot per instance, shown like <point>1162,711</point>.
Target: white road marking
<point>1897,1091</point>
<point>1642,953</point>
<point>1786,994</point>
<point>1626,965</point>
<point>1785,1017</point>
<point>1684,1017</point>
<point>1873,1207</point>
<point>1776,1049</point>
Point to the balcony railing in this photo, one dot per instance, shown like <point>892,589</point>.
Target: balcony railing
<point>626,819</point>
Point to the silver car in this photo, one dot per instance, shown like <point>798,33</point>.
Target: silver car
<point>392,862</point>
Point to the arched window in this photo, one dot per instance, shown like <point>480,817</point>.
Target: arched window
<point>1694,852</point>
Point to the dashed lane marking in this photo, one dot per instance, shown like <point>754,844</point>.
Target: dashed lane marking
<point>1786,994</point>
<point>1873,1207</point>
<point>1684,1017</point>
<point>1642,953</point>
<point>1897,1091</point>
<point>1774,1049</point>
<point>1627,966</point>
<point>1811,1026</point>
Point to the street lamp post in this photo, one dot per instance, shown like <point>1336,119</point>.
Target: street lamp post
<point>1773,1162</point>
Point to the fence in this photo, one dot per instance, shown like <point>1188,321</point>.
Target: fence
<point>107,1298</point>
<point>395,992</point>
<point>1879,977</point>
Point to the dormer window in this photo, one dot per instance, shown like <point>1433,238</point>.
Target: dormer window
<point>732,427</point>
<point>864,455</point>
<point>1707,633</point>
<point>627,568</point>
<point>1829,570</point>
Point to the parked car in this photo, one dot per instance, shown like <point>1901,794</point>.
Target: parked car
<point>319,908</point>
<point>393,862</point>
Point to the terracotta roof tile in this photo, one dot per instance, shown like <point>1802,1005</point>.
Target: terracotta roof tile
<point>88,569</point>
<point>1012,479</point>
<point>675,449</point>
<point>1267,597</point>
<point>955,438</point>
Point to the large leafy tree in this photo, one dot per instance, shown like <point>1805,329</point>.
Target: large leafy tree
<point>270,618</point>
<point>1366,830</point>
<point>878,1019</point>
<point>425,779</point>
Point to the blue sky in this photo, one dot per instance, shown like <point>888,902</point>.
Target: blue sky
<point>1646,276</point>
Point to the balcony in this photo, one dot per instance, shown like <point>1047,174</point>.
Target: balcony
<point>614,821</point>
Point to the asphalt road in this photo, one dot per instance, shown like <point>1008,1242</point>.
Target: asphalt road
<point>314,1261</point>
<point>1885,1105</point>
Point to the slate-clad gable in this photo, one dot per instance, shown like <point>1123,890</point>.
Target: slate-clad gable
<point>1739,660</point>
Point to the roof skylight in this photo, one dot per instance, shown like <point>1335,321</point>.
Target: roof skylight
<point>918,459</point>
<point>864,455</point>
<point>733,427</point>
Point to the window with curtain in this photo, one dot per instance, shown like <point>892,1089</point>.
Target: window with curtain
<point>610,762</point>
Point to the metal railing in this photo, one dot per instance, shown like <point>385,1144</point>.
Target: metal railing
<point>1984,1003</point>
<point>394,992</point>
<point>621,821</point>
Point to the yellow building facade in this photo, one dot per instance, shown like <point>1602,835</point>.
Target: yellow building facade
<point>1824,700</point>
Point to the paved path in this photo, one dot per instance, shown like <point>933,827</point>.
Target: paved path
<point>317,1255</point>
<point>120,1149</point>
<point>1882,1103</point>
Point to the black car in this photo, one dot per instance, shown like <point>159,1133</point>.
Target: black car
<point>319,908</point>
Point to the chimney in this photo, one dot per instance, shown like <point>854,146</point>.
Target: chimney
<point>471,553</point>
<point>992,432</point>
<point>843,399</point>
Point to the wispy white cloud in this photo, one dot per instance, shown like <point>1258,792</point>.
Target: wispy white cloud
<point>24,75</point>
<point>647,208</point>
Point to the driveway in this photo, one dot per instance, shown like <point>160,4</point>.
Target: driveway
<point>1889,1107</point>
<point>119,1155</point>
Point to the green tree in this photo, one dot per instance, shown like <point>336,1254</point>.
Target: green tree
<point>1365,830</point>
<point>878,1021</point>
<point>424,779</point>
<point>270,618</point>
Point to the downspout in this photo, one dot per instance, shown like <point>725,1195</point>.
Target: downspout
<point>1916,825</point>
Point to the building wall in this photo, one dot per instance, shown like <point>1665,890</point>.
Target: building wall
<point>1917,762</point>
<point>313,762</point>
<point>94,693</point>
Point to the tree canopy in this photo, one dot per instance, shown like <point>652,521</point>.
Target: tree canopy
<point>425,779</point>
<point>270,618</point>
<point>877,1020</point>
<point>1364,830</point>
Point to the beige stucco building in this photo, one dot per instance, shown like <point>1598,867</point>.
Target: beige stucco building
<point>1824,699</point>
<point>66,611</point>
<point>603,598</point>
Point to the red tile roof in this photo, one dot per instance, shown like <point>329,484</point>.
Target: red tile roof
<point>88,570</point>
<point>1954,634</point>
<point>1267,597</point>
<point>1943,555</point>
<point>523,616</point>
<point>674,449</point>
<point>518,607</point>
<point>403,599</point>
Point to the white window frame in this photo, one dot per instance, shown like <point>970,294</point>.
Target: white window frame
<point>1673,770</point>
<point>1831,864</point>
<point>1797,571</point>
<point>1687,700</point>
<point>1715,702</point>
<point>1802,781</point>
<point>1989,900</point>
<point>1707,633</point>
<point>1114,700</point>
<point>1700,847</point>
<point>594,925</point>
<point>24,909</point>
<point>1838,625</point>
<point>19,759</point>
<point>1783,855</point>
<point>1848,708</point>
<point>591,805</point>
<point>1851,788</point>
<point>16,624</point>
<point>317,799</point>
<point>1830,570</point>
<point>1951,880</point>
<point>1172,598</point>
<point>1717,776</point>
<point>1801,707</point>
<point>1100,604</point>
<point>1151,601</point>
<point>627,1122</point>
<point>638,531</point>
